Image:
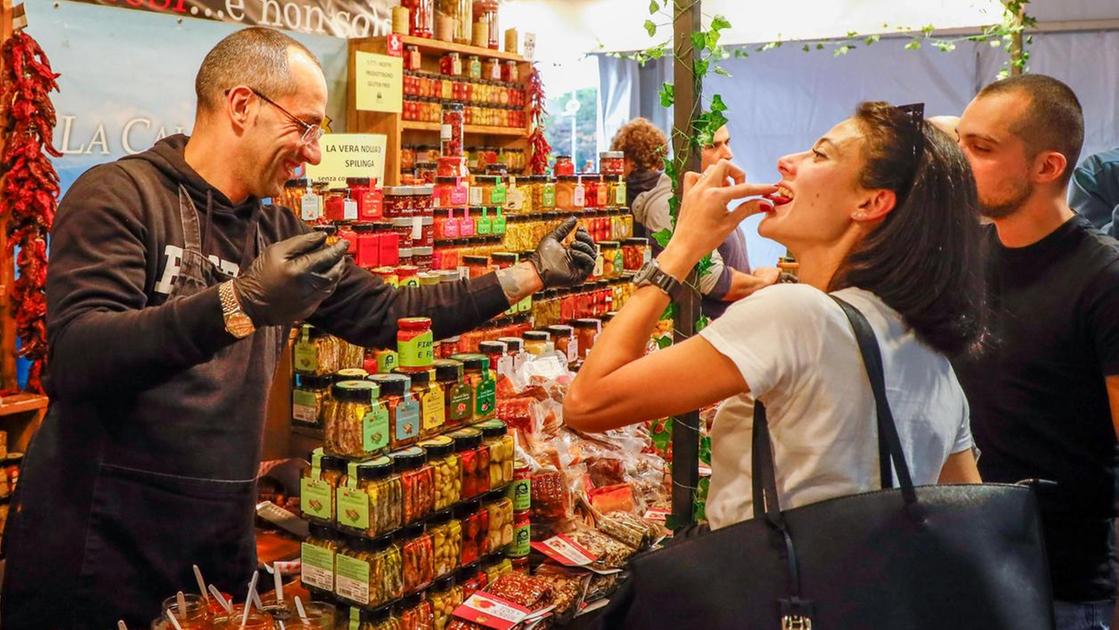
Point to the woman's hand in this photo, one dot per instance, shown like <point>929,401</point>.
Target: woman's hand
<point>704,222</point>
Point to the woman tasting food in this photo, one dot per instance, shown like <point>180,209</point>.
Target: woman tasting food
<point>881,211</point>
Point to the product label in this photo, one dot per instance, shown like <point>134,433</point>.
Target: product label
<point>304,407</point>
<point>353,508</point>
<point>484,224</point>
<point>458,195</point>
<point>459,407</point>
<point>491,611</point>
<point>370,205</point>
<point>417,352</point>
<point>387,360</point>
<point>355,619</point>
<point>407,419</point>
<point>445,132</point>
<point>306,357</point>
<point>485,399</point>
<point>657,515</point>
<point>352,579</point>
<point>317,567</point>
<point>499,223</point>
<point>620,194</point>
<point>314,498</point>
<point>522,541</point>
<point>516,199</point>
<point>525,305</point>
<point>580,197</point>
<point>548,196</point>
<point>475,195</point>
<point>619,262</point>
<point>466,226</point>
<point>565,551</point>
<point>450,228</point>
<point>498,196</point>
<point>572,350</point>
<point>520,493</point>
<point>310,207</point>
<point>375,428</point>
<point>349,210</point>
<point>599,261</point>
<point>434,413</point>
<point>417,228</point>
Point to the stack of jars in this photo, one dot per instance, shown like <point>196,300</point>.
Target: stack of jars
<point>422,86</point>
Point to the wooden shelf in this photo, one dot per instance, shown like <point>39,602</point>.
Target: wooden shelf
<point>412,125</point>
<point>436,45</point>
<point>306,431</point>
<point>22,403</point>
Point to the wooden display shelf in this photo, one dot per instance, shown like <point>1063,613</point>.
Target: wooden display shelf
<point>412,125</point>
<point>435,45</point>
<point>22,403</point>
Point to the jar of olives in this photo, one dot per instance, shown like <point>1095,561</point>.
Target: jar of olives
<point>446,538</point>
<point>318,485</point>
<point>448,481</point>
<point>445,596</point>
<point>495,435</point>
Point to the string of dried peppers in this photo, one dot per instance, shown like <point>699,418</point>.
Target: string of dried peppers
<point>537,143</point>
<point>29,194</point>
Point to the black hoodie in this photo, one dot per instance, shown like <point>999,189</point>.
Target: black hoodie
<point>112,243</point>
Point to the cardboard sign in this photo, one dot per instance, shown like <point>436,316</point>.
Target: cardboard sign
<point>379,82</point>
<point>349,155</point>
<point>565,551</point>
<point>491,611</point>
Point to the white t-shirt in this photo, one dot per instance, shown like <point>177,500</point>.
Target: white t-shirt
<point>797,352</point>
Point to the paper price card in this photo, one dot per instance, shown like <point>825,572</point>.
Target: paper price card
<point>492,612</point>
<point>378,83</point>
<point>565,551</point>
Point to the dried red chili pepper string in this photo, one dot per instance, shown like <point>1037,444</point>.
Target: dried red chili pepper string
<point>29,194</point>
<point>537,143</point>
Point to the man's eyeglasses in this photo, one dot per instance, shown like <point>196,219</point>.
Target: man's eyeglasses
<point>311,133</point>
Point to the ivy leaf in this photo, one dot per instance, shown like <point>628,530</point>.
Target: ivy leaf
<point>669,312</point>
<point>705,441</point>
<point>667,95</point>
<point>701,66</point>
<point>741,53</point>
<point>872,39</point>
<point>717,104</point>
<point>927,30</point>
<point>721,71</point>
<point>699,40</point>
<point>843,50</point>
<point>656,52</point>
<point>654,7</point>
<point>945,46</point>
<point>819,46</point>
<point>914,44</point>
<point>719,23</point>
<point>851,34</point>
<point>662,237</point>
<point>703,267</point>
<point>806,48</point>
<point>650,28</point>
<point>712,41</point>
<point>701,323</point>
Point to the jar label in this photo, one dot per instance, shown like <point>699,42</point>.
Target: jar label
<point>353,508</point>
<point>314,498</point>
<point>498,196</point>
<point>485,399</point>
<point>310,207</point>
<point>499,224</point>
<point>349,210</point>
<point>525,305</point>
<point>387,360</point>
<point>434,413</point>
<point>446,132</point>
<point>407,419</point>
<point>459,407</point>
<point>484,224</point>
<point>450,228</point>
<point>375,428</point>
<point>417,352</point>
<point>417,228</point>
<point>352,579</point>
<point>304,406</point>
<point>548,197</point>
<point>522,541</point>
<point>355,619</point>
<point>620,194</point>
<point>520,493</point>
<point>599,262</point>
<point>516,199</point>
<point>306,357</point>
<point>475,195</point>
<point>579,199</point>
<point>370,205</point>
<point>317,567</point>
<point>572,349</point>
<point>466,226</point>
<point>458,195</point>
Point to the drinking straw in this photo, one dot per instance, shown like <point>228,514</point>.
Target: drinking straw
<point>171,617</point>
<point>201,584</point>
<point>221,599</point>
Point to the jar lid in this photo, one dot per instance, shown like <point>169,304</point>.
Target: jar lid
<point>375,469</point>
<point>561,330</point>
<point>448,275</point>
<point>391,384</point>
<point>465,509</point>
<point>354,542</point>
<point>453,106</point>
<point>414,323</point>
<point>312,381</point>
<point>466,573</point>
<point>466,439</point>
<point>438,447</point>
<point>513,344</point>
<point>397,191</point>
<point>375,616</point>
<point>587,323</point>
<point>408,459</point>
<point>492,347</point>
<point>424,190</point>
<point>492,428</point>
<point>322,531</point>
<point>354,391</point>
<point>485,179</point>
<point>405,253</point>
<point>505,257</point>
<point>537,335</point>
<point>409,601</point>
<point>611,155</point>
<point>448,370</point>
<point>402,222</point>
<point>350,374</point>
<point>610,244</point>
<point>471,361</point>
<point>563,157</point>
<point>476,260</point>
<point>407,270</point>
<point>410,531</point>
<point>446,179</point>
<point>296,183</point>
<point>636,240</point>
<point>443,583</point>
<point>329,230</point>
<point>568,178</point>
<point>364,227</point>
<point>423,251</point>
<point>379,543</point>
<point>357,181</point>
<point>609,316</point>
<point>421,378</point>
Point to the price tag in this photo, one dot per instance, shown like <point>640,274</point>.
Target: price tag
<point>530,45</point>
<point>349,210</point>
<point>375,428</point>
<point>352,579</point>
<point>310,208</point>
<point>657,515</point>
<point>314,498</point>
<point>565,551</point>
<point>353,508</point>
<point>394,46</point>
<point>491,611</point>
<point>303,406</point>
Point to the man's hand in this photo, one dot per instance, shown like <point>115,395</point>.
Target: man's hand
<point>767,275</point>
<point>560,265</point>
<point>289,279</point>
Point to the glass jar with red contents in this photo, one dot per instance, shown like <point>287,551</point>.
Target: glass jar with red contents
<point>368,245</point>
<point>471,579</point>
<point>563,166</point>
<point>346,233</point>
<point>586,332</point>
<point>473,462</point>
<point>475,529</point>
<point>425,171</point>
<point>414,341</point>
<point>476,266</point>
<point>451,131</point>
<point>422,14</point>
<point>417,478</point>
<point>364,191</point>
<point>417,551</point>
<point>584,301</point>
<point>423,258</point>
<point>449,192</point>
<point>604,297</point>
<point>445,224</point>
<point>389,243</point>
<point>414,612</point>
<point>397,202</point>
<point>408,275</point>
<point>339,206</point>
<point>450,64</point>
<point>510,72</point>
<point>412,59</point>
<point>496,352</point>
<point>452,166</point>
<point>590,191</point>
<point>611,162</point>
<point>402,227</point>
<point>635,253</point>
<point>480,379</point>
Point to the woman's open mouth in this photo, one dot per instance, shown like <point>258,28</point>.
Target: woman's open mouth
<point>782,196</point>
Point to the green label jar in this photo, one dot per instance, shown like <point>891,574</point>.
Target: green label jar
<point>407,425</point>
<point>317,567</point>
<point>375,428</point>
<point>314,498</point>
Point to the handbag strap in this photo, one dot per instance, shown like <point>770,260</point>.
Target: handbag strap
<point>764,475</point>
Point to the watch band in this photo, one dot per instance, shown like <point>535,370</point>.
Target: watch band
<point>229,303</point>
<point>653,275</point>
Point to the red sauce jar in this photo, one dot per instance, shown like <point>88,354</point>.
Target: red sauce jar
<point>368,245</point>
<point>347,233</point>
<point>364,190</point>
<point>451,130</point>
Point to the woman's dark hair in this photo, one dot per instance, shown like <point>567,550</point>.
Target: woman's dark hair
<point>924,259</point>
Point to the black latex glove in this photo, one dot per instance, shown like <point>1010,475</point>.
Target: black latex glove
<point>289,279</point>
<point>560,265</point>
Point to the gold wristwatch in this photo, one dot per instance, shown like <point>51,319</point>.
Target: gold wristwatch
<point>237,323</point>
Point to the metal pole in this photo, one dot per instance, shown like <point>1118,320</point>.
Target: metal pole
<point>685,427</point>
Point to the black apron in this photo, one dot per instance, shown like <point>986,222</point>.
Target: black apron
<point>171,483</point>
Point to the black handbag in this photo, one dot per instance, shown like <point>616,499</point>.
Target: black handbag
<point>939,557</point>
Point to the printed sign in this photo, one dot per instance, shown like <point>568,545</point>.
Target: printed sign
<point>378,82</point>
<point>349,155</point>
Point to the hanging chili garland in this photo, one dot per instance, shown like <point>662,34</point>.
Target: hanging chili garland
<point>29,195</point>
<point>537,143</point>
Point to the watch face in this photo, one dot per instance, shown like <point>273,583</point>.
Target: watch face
<point>644,273</point>
<point>239,325</point>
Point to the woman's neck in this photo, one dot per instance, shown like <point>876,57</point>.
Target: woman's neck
<point>819,263</point>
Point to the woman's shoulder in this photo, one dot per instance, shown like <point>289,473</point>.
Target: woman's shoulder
<point>792,300</point>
